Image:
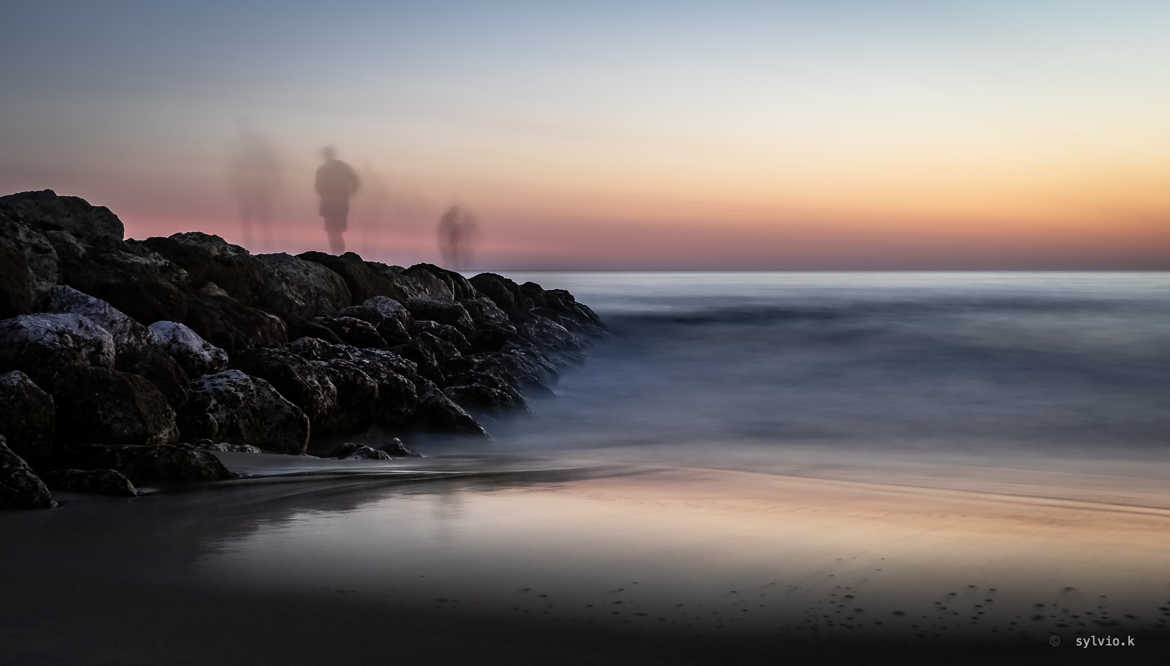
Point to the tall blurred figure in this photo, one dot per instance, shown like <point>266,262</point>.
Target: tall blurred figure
<point>456,235</point>
<point>255,178</point>
<point>337,182</point>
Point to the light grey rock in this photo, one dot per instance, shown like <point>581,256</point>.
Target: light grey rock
<point>195,355</point>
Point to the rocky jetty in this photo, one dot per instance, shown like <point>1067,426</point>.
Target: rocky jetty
<point>129,362</point>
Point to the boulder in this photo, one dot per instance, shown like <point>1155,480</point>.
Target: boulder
<point>353,331</point>
<point>444,332</point>
<point>505,293</point>
<point>457,286</point>
<point>94,481</point>
<point>128,334</point>
<point>224,447</point>
<point>390,318</point>
<point>363,280</point>
<point>107,405</point>
<point>226,322</point>
<point>308,386</point>
<point>357,399</point>
<point>196,355</point>
<point>393,375</point>
<point>396,449</point>
<point>27,416</point>
<point>355,451</point>
<point>294,288</point>
<point>208,258</point>
<point>43,344</point>
<point>493,327</point>
<point>176,462</point>
<point>438,413</point>
<point>30,267</point>
<point>44,210</point>
<point>160,369</point>
<point>451,313</point>
<point>402,286</point>
<point>484,399</point>
<point>230,406</point>
<point>20,487</point>
<point>129,276</point>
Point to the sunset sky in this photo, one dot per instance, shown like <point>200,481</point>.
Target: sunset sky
<point>729,135</point>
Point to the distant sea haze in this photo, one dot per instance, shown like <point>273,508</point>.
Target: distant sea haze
<point>926,360</point>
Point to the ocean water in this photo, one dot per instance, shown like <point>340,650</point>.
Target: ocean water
<point>964,361</point>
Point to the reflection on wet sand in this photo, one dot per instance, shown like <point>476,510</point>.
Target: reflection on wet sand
<point>668,561</point>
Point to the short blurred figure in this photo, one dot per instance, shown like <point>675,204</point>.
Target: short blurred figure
<point>457,231</point>
<point>336,184</point>
<point>255,179</point>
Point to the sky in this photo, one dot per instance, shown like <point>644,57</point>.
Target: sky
<point>1024,134</point>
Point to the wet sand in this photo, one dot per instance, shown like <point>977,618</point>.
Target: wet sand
<point>568,560</point>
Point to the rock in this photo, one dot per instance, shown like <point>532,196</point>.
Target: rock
<point>453,314</point>
<point>357,399</point>
<point>175,462</point>
<point>354,451</point>
<point>224,447</point>
<point>396,449</point>
<point>541,332</point>
<point>128,334</point>
<point>106,405</point>
<point>493,327</point>
<point>95,481</point>
<point>20,487</point>
<point>363,280</point>
<point>297,289</point>
<point>485,399</point>
<point>30,267</point>
<point>196,356</point>
<point>129,276</point>
<point>305,328</point>
<point>456,285</point>
<point>44,210</point>
<point>160,369</point>
<point>297,379</point>
<point>505,293</point>
<point>390,318</point>
<point>208,258</point>
<point>226,322</point>
<point>448,334</point>
<point>422,352</point>
<point>437,413</point>
<point>27,416</point>
<point>393,374</point>
<point>230,406</point>
<point>43,344</point>
<point>353,331</point>
<point>402,286</point>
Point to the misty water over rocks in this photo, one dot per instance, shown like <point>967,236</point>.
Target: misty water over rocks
<point>960,362</point>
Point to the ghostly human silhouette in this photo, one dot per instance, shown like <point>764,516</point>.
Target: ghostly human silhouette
<point>336,183</point>
<point>254,172</point>
<point>457,230</point>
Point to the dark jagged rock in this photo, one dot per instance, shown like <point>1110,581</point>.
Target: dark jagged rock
<point>44,209</point>
<point>353,331</point>
<point>176,462</point>
<point>480,398</point>
<point>20,487</point>
<point>230,406</point>
<point>355,451</point>
<point>208,258</point>
<point>444,332</point>
<point>396,449</point>
<point>44,344</point>
<point>308,386</point>
<point>357,399</point>
<point>160,369</point>
<point>438,413</point>
<point>94,481</point>
<point>226,322</point>
<point>505,293</point>
<point>393,375</point>
<point>224,447</point>
<point>27,416</point>
<point>129,276</point>
<point>493,327</point>
<point>451,313</point>
<point>111,406</point>
<point>128,334</point>
<point>363,280</point>
<point>30,266</point>
<point>294,288</point>
<point>390,318</point>
<point>457,286</point>
<point>197,356</point>
<point>304,328</point>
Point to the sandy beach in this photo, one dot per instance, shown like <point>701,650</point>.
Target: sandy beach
<point>517,559</point>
